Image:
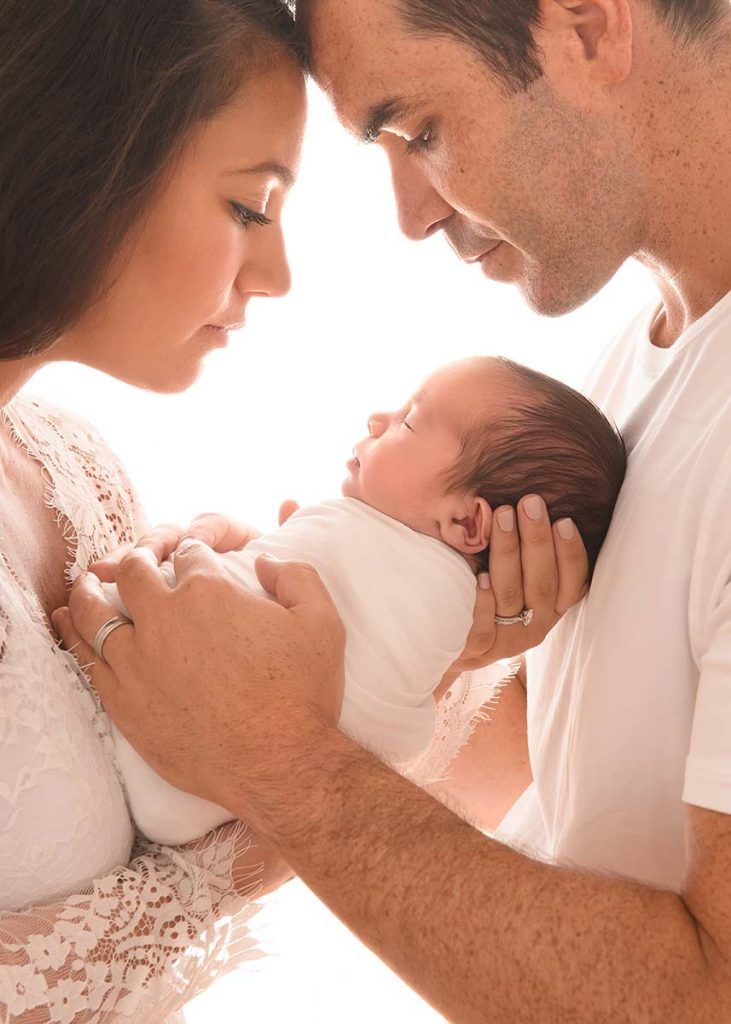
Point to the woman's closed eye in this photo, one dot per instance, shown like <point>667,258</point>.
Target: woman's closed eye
<point>245,216</point>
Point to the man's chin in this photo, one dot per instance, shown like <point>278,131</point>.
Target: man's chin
<point>555,293</point>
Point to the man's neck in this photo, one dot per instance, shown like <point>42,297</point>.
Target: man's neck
<point>688,238</point>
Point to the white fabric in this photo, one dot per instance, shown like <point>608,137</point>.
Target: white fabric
<point>638,678</point>
<point>407,603</point>
<point>95,927</point>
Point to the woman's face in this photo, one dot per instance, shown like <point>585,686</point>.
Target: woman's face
<point>210,242</point>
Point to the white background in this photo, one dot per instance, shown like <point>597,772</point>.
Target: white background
<point>276,416</point>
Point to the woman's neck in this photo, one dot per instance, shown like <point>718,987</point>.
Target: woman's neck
<point>15,373</point>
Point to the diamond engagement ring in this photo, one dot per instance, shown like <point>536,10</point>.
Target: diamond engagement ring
<point>526,617</point>
<point>105,632</point>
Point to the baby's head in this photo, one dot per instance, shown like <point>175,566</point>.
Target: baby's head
<point>483,433</point>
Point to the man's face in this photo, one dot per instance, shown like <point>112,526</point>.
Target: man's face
<point>540,187</point>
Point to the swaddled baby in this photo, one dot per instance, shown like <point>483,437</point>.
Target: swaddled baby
<point>401,550</point>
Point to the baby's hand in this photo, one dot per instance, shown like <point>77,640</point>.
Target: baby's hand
<point>217,531</point>
<point>533,565</point>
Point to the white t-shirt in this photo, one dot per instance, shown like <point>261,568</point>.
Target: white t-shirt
<point>629,708</point>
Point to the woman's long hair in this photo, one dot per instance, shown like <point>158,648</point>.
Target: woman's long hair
<point>96,99</point>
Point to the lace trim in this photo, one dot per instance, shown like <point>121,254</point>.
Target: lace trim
<point>467,703</point>
<point>62,445</point>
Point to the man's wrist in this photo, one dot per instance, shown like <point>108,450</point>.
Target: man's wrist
<point>286,793</point>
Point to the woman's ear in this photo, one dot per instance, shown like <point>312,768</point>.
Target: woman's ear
<point>466,525</point>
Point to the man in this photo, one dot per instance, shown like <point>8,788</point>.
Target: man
<point>551,140</point>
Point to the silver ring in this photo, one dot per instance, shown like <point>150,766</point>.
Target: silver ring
<point>526,617</point>
<point>105,632</point>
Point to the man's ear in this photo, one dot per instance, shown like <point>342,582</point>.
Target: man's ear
<point>598,33</point>
<point>466,525</point>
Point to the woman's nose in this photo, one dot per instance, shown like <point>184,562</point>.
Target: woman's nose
<point>265,270</point>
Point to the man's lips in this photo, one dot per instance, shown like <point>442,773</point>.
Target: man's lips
<point>485,252</point>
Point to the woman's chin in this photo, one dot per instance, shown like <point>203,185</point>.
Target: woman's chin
<point>165,381</point>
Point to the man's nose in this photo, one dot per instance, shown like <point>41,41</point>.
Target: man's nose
<point>421,210</point>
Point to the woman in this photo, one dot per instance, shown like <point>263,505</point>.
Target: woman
<point>146,151</point>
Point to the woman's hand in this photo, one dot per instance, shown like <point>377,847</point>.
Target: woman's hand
<point>533,564</point>
<point>216,531</point>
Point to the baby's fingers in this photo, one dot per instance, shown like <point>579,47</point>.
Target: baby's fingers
<point>220,533</point>
<point>287,509</point>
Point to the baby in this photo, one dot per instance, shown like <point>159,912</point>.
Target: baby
<point>400,551</point>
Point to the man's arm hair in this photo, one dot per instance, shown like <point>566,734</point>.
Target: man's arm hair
<point>483,932</point>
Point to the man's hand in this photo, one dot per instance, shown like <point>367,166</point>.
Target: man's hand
<point>533,564</point>
<point>217,531</point>
<point>180,682</point>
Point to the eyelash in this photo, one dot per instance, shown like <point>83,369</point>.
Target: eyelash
<point>245,216</point>
<point>408,427</point>
<point>422,142</point>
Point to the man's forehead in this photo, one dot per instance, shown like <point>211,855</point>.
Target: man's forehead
<point>364,58</point>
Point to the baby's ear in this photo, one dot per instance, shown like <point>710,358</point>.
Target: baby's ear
<point>467,529</point>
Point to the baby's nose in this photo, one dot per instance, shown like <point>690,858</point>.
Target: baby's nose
<point>376,425</point>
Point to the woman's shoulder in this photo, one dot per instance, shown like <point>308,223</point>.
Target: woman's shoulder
<point>87,483</point>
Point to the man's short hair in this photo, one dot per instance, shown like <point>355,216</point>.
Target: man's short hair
<point>501,31</point>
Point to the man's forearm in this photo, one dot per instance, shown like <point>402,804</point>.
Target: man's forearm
<point>480,931</point>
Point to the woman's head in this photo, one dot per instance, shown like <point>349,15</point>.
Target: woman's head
<point>126,221</point>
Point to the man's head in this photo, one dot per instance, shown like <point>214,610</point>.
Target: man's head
<point>483,433</point>
<point>519,127</point>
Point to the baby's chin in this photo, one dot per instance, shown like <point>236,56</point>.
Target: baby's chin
<point>348,489</point>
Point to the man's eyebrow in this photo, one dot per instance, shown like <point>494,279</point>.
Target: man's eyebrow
<point>284,174</point>
<point>388,111</point>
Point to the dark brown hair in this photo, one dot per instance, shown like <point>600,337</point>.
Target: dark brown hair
<point>501,31</point>
<point>553,442</point>
<point>96,98</point>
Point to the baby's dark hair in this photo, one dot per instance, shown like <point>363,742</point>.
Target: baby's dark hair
<point>554,442</point>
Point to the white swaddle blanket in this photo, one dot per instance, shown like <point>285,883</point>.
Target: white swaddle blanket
<point>407,604</point>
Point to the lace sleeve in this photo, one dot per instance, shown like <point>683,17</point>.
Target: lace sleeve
<point>136,942</point>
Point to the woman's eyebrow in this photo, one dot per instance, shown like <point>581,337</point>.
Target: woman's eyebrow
<point>284,174</point>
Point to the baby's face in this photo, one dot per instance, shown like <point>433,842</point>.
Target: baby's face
<point>399,468</point>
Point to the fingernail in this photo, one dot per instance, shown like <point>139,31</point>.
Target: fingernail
<point>483,581</point>
<point>566,529</point>
<point>506,520</point>
<point>533,507</point>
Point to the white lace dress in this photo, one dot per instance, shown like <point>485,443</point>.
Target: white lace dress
<point>94,925</point>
